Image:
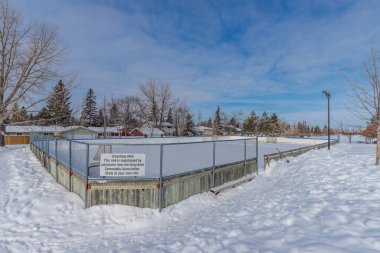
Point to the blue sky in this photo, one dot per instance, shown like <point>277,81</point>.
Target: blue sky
<point>242,55</point>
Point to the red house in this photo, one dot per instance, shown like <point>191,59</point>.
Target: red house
<point>147,132</point>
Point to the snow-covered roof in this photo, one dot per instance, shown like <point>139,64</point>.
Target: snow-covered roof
<point>235,128</point>
<point>167,124</point>
<point>57,129</point>
<point>28,129</point>
<point>203,128</point>
<point>164,124</point>
<point>148,131</point>
<point>108,129</point>
<point>71,128</point>
<point>168,130</point>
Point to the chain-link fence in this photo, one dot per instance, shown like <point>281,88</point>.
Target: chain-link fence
<point>294,152</point>
<point>164,157</point>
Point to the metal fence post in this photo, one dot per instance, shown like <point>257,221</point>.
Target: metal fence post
<point>257,155</point>
<point>56,161</point>
<point>161,185</point>
<point>30,140</point>
<point>87,174</point>
<point>70,169</point>
<point>245,157</point>
<point>45,146</point>
<point>48,156</point>
<point>213,163</point>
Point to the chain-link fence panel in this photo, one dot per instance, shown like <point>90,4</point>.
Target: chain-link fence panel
<point>227,152</point>
<point>186,157</point>
<point>113,141</point>
<point>46,147</point>
<point>251,149</point>
<point>51,148</point>
<point>42,145</point>
<point>160,140</point>
<point>63,152</point>
<point>151,165</point>
<point>78,158</point>
<point>37,143</point>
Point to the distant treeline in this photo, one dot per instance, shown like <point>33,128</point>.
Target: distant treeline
<point>155,106</point>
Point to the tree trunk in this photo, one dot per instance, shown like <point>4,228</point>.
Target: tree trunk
<point>2,141</point>
<point>378,145</point>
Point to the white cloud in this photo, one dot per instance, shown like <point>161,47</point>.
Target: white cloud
<point>275,54</point>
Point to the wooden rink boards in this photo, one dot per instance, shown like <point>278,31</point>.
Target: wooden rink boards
<point>143,193</point>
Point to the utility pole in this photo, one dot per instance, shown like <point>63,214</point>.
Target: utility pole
<point>328,95</point>
<point>104,118</point>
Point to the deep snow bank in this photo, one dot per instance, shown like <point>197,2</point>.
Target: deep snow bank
<point>320,202</point>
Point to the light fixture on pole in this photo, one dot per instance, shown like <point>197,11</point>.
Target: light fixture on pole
<point>328,95</point>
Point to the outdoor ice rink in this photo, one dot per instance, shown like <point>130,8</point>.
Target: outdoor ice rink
<point>179,155</point>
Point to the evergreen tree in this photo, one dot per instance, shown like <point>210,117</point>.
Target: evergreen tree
<point>250,123</point>
<point>255,122</point>
<point>217,122</point>
<point>58,105</point>
<point>170,116</point>
<point>263,125</point>
<point>325,130</point>
<point>274,123</point>
<point>89,116</point>
<point>189,126</point>
<point>317,130</point>
<point>209,123</point>
<point>43,117</point>
<point>18,115</point>
<point>233,122</point>
<point>23,114</point>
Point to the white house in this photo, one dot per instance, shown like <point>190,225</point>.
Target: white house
<point>79,132</point>
<point>110,131</point>
<point>204,131</point>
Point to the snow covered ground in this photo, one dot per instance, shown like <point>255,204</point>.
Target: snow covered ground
<point>320,202</point>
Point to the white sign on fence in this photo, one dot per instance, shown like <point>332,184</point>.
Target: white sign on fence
<point>122,165</point>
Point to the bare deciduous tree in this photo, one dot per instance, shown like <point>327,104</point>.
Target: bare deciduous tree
<point>157,99</point>
<point>150,93</point>
<point>129,111</point>
<point>181,112</point>
<point>349,133</point>
<point>165,100</point>
<point>199,118</point>
<point>28,55</point>
<point>365,102</point>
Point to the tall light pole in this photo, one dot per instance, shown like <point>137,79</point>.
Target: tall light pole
<point>328,95</point>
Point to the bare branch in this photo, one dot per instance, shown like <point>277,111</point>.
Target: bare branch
<point>28,56</point>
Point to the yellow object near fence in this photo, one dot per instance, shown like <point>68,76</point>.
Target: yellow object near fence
<point>16,139</point>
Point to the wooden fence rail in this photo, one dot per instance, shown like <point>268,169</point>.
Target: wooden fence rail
<point>294,152</point>
<point>16,139</point>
